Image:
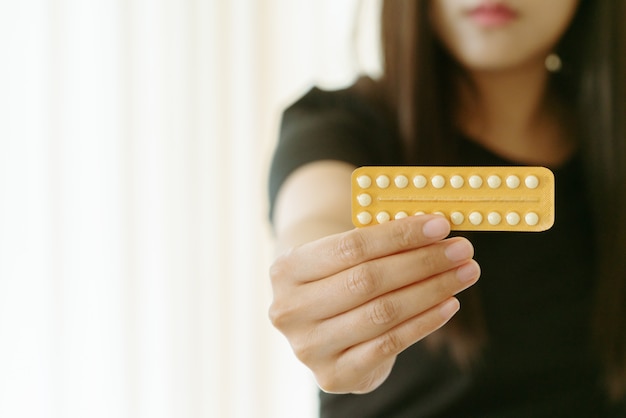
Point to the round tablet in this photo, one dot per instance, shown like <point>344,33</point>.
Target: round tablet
<point>476,218</point>
<point>512,182</point>
<point>457,182</point>
<point>438,182</point>
<point>475,182</point>
<point>457,218</point>
<point>401,215</point>
<point>494,218</point>
<point>364,218</point>
<point>532,182</point>
<point>364,181</point>
<point>420,181</point>
<point>382,181</point>
<point>364,199</point>
<point>401,182</point>
<point>383,217</point>
<point>494,181</point>
<point>439,213</point>
<point>531,218</point>
<point>512,218</point>
<point>419,212</point>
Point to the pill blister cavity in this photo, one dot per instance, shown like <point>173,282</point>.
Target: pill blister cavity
<point>531,218</point>
<point>420,181</point>
<point>512,218</point>
<point>364,199</point>
<point>512,182</point>
<point>457,181</point>
<point>475,182</point>
<point>494,181</point>
<point>532,182</point>
<point>401,182</point>
<point>457,218</point>
<point>364,218</point>
<point>382,181</point>
<point>476,218</point>
<point>383,217</point>
<point>438,182</point>
<point>494,218</point>
<point>401,215</point>
<point>364,181</point>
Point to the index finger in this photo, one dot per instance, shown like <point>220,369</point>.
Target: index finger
<point>336,253</point>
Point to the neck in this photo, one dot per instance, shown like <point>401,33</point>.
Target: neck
<point>511,114</point>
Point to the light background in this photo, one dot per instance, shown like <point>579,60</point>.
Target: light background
<point>135,139</point>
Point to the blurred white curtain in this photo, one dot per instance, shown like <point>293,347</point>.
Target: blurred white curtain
<point>135,138</point>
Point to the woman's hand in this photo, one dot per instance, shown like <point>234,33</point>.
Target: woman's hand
<point>350,303</point>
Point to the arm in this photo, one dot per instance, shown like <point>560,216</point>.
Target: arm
<point>312,203</point>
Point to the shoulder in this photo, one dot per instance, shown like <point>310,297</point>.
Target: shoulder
<point>339,124</point>
<point>346,125</point>
<point>358,101</point>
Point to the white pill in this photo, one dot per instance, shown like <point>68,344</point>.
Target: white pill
<point>531,218</point>
<point>494,218</point>
<point>512,218</point>
<point>401,215</point>
<point>364,218</point>
<point>475,182</point>
<point>439,213</point>
<point>494,181</point>
<point>383,217</point>
<point>364,181</point>
<point>532,182</point>
<point>419,212</point>
<point>438,182</point>
<point>512,182</point>
<point>457,218</point>
<point>476,218</point>
<point>420,181</point>
<point>401,182</point>
<point>382,181</point>
<point>457,182</point>
<point>364,199</point>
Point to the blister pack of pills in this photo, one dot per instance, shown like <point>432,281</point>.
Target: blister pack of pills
<point>515,198</point>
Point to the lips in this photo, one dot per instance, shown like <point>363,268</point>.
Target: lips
<point>492,15</point>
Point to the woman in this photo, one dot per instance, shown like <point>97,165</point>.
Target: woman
<point>465,83</point>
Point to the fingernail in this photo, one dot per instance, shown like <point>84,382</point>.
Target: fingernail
<point>468,272</point>
<point>449,308</point>
<point>459,250</point>
<point>436,227</point>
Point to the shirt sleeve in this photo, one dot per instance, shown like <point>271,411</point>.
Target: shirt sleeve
<point>329,125</point>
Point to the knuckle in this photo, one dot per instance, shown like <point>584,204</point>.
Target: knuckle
<point>389,344</point>
<point>351,248</point>
<point>328,382</point>
<point>429,261</point>
<point>307,347</point>
<point>279,269</point>
<point>383,311</point>
<point>302,350</point>
<point>363,279</point>
<point>443,288</point>
<point>405,235</point>
<point>280,314</point>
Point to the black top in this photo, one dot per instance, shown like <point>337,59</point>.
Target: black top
<point>535,288</point>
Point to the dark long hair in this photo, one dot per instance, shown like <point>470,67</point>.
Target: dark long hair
<point>416,89</point>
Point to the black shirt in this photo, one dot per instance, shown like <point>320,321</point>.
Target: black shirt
<point>535,289</point>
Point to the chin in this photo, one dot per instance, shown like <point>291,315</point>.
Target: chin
<point>490,62</point>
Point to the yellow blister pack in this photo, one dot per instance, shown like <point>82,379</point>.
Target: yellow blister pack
<point>515,198</point>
